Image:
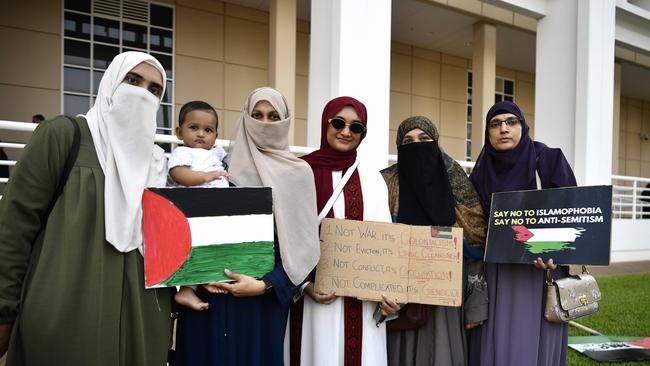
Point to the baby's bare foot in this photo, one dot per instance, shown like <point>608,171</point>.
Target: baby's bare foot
<point>187,297</point>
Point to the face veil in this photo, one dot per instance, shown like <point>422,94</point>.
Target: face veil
<point>425,194</point>
<point>122,123</point>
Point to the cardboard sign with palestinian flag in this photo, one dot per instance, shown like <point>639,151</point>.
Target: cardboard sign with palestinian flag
<point>192,234</point>
<point>571,225</point>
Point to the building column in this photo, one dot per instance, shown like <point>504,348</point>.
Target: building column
<point>282,52</point>
<point>574,85</point>
<point>484,61</point>
<point>616,132</point>
<point>350,55</point>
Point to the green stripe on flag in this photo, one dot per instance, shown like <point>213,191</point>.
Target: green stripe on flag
<point>206,263</point>
<point>537,247</point>
<point>601,339</point>
<point>443,236</point>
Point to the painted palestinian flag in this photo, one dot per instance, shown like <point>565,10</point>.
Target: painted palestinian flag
<point>192,234</point>
<point>547,240</point>
<point>607,349</point>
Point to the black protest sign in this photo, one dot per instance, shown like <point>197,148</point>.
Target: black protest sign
<point>571,225</point>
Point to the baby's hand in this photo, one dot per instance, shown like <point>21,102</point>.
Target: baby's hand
<point>210,176</point>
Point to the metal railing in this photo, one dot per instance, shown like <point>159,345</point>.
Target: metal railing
<point>13,126</point>
<point>168,139</point>
<point>628,198</point>
<point>160,138</point>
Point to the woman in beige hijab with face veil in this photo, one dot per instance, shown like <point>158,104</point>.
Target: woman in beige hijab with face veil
<point>247,325</point>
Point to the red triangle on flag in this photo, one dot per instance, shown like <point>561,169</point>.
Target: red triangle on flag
<point>645,343</point>
<point>167,238</point>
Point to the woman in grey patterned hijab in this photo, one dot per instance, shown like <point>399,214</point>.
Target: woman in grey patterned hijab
<point>428,187</point>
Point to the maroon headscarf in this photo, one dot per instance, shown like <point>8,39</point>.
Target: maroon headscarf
<point>325,160</point>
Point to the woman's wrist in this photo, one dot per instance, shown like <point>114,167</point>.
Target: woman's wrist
<point>303,286</point>
<point>267,284</point>
<point>260,287</point>
<point>309,289</point>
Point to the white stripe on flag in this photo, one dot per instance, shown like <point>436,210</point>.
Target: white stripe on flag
<point>567,234</point>
<point>210,230</point>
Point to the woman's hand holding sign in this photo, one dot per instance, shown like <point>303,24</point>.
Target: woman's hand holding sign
<point>319,297</point>
<point>241,286</point>
<point>539,263</point>
<point>388,307</point>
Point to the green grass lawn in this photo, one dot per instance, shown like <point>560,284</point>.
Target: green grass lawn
<point>624,311</point>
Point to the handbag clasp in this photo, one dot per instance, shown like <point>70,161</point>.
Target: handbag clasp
<point>583,299</point>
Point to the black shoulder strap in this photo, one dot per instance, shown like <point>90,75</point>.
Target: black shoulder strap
<point>67,168</point>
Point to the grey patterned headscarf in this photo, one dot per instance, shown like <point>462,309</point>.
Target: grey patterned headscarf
<point>414,122</point>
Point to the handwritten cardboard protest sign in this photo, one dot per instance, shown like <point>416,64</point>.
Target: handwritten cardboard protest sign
<point>412,264</point>
<point>572,225</point>
<point>192,234</point>
<point>435,266</point>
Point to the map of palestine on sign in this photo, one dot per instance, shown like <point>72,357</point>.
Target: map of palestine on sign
<point>412,264</point>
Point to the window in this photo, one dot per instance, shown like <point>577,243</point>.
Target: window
<point>95,31</point>
<point>504,90</point>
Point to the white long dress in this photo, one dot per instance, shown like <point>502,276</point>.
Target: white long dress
<point>323,326</point>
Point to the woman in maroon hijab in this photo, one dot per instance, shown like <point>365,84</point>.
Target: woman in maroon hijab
<point>516,332</point>
<point>326,329</point>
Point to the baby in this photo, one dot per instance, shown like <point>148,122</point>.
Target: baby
<point>197,164</point>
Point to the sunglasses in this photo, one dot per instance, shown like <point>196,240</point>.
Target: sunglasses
<point>339,124</point>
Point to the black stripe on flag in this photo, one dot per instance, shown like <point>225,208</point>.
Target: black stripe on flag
<point>199,202</point>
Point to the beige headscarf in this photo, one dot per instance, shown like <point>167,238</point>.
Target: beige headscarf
<point>123,126</point>
<point>259,156</point>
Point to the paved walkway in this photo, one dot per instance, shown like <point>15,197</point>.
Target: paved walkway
<point>615,268</point>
